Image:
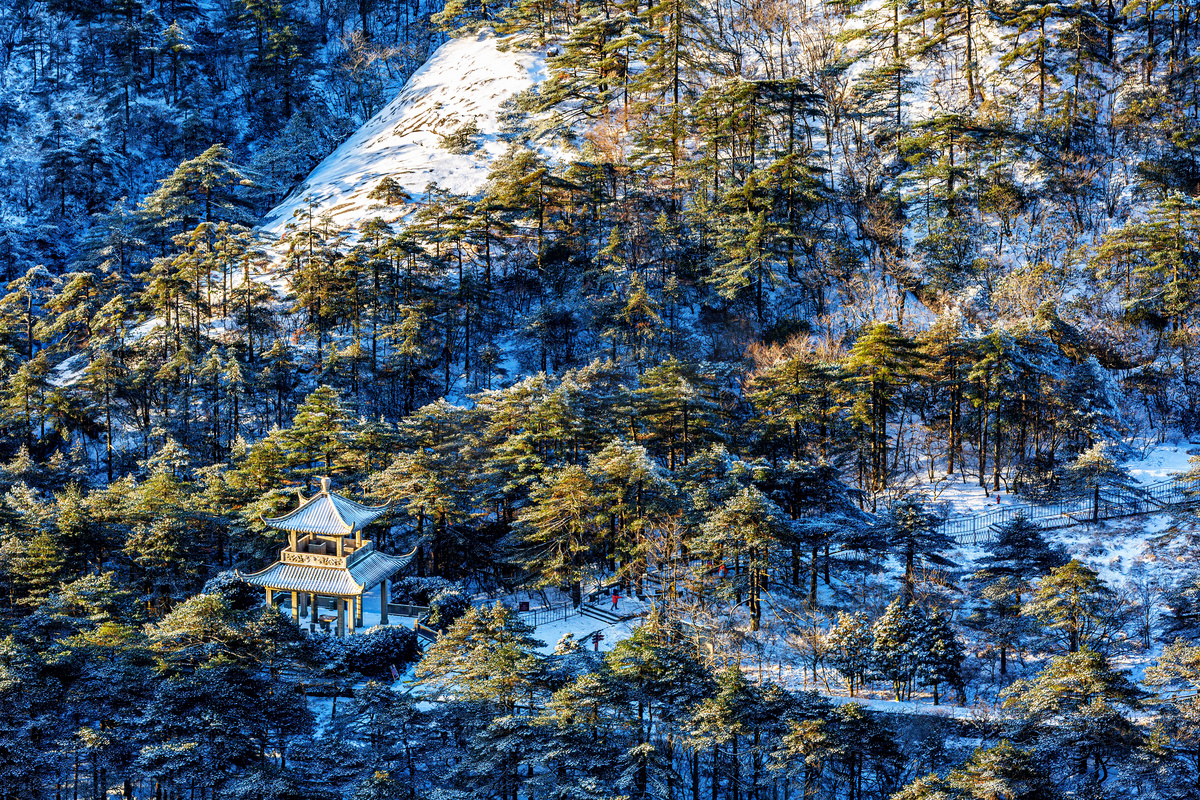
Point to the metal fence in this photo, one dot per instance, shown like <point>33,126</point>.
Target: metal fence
<point>540,616</point>
<point>526,610</point>
<point>1109,503</point>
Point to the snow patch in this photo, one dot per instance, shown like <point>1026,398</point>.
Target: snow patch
<point>464,81</point>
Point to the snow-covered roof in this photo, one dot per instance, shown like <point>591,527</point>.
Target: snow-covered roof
<point>352,580</point>
<point>328,514</point>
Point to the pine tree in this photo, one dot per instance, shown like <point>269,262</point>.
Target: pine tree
<point>527,195</point>
<point>677,411</point>
<point>1091,412</point>
<point>487,655</point>
<point>885,33</point>
<point>999,616</point>
<point>852,648</point>
<point>676,37</point>
<point>40,568</point>
<point>882,358</point>
<point>592,65</point>
<point>25,397</point>
<point>946,347</point>
<point>722,723</point>
<point>1003,770</point>
<point>1018,550</point>
<point>637,493</point>
<point>636,324</point>
<point>318,429</point>
<point>208,188</point>
<point>390,191</point>
<point>911,531</point>
<point>103,380</point>
<point>867,753</point>
<point>1175,677</point>
<point>80,297</point>
<point>1073,601</point>
<point>797,402</point>
<point>1032,47</point>
<point>1017,555</point>
<point>461,17</point>
<point>1084,44</point>
<point>561,527</point>
<point>999,771</point>
<point>747,527</point>
<point>19,305</point>
<point>1075,709</point>
<point>898,643</point>
<point>429,480</point>
<point>654,681</point>
<point>941,655</point>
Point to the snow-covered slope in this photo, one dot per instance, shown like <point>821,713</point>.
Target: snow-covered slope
<point>464,80</point>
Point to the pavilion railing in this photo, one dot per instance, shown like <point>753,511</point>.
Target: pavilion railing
<point>406,610</point>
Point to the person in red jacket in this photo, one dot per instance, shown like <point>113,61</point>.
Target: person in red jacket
<point>615,598</point>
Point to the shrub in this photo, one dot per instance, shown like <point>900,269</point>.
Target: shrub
<point>445,608</point>
<point>374,651</point>
<point>233,590</point>
<point>463,139</point>
<point>418,591</point>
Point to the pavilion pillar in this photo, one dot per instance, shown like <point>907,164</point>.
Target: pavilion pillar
<point>383,600</point>
<point>350,616</point>
<point>270,597</point>
<point>296,607</point>
<point>358,611</point>
<point>341,623</point>
<point>313,610</point>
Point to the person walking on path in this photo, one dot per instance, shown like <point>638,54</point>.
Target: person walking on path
<point>615,598</point>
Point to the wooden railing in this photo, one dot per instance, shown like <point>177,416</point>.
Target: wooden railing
<point>426,633</point>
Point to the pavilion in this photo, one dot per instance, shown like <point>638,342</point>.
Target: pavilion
<point>326,556</point>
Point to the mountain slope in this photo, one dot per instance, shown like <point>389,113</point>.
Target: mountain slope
<point>465,80</point>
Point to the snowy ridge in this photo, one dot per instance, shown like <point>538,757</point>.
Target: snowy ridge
<point>465,80</point>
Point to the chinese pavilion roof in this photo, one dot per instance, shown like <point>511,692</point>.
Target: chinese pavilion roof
<point>351,580</point>
<point>328,514</point>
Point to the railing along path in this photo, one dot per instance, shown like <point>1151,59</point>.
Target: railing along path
<point>1174,493</point>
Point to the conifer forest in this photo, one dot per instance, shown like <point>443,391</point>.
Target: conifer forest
<point>599,399</point>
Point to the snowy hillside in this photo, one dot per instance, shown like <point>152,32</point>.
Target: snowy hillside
<point>464,81</point>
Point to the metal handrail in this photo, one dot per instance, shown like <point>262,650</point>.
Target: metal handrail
<point>1111,504</point>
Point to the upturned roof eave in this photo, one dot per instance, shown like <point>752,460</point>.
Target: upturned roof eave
<point>310,518</point>
<point>344,581</point>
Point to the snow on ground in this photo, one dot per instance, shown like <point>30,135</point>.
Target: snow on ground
<point>1161,463</point>
<point>583,627</point>
<point>549,632</point>
<point>926,708</point>
<point>70,371</point>
<point>465,80</point>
